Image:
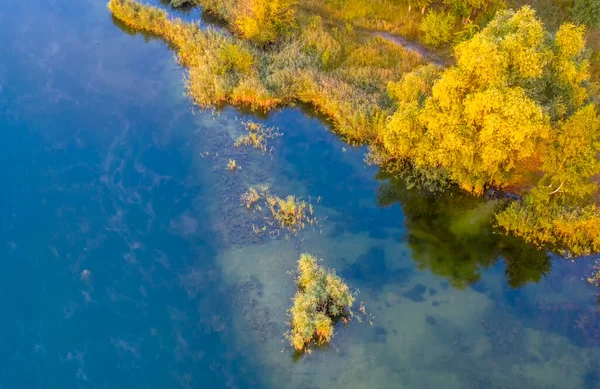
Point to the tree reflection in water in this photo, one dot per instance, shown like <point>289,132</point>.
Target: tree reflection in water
<point>453,235</point>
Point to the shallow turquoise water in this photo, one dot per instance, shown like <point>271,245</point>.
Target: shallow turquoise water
<point>128,262</point>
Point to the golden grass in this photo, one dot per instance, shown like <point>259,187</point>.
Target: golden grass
<point>290,214</point>
<point>257,136</point>
<point>382,15</point>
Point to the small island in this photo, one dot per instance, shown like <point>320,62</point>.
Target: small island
<point>321,300</point>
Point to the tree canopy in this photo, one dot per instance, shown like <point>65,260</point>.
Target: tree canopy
<point>516,103</point>
<point>497,107</point>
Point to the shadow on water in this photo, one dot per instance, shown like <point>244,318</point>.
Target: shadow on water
<point>453,236</point>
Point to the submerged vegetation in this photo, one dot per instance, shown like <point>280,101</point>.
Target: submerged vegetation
<point>232,165</point>
<point>257,136</point>
<point>322,299</point>
<point>594,277</point>
<point>291,213</point>
<point>514,111</point>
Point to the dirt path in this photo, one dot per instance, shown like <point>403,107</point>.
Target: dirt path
<point>429,56</point>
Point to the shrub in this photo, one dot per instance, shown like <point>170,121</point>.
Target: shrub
<point>263,21</point>
<point>570,229</point>
<point>322,298</point>
<point>437,27</point>
<point>234,57</point>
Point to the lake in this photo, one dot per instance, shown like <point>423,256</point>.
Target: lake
<point>128,260</point>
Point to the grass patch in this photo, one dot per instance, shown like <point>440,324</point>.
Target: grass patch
<point>321,300</point>
<point>290,214</point>
<point>257,136</point>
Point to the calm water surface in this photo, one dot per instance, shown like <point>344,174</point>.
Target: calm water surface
<point>128,262</point>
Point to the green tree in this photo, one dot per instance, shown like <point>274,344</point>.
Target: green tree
<point>586,12</point>
<point>437,27</point>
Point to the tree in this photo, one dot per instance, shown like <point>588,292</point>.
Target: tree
<point>567,86</point>
<point>571,158</point>
<point>437,27</point>
<point>497,107</point>
<point>586,12</point>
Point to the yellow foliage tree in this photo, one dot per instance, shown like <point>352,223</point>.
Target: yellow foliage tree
<point>496,107</point>
<point>516,101</point>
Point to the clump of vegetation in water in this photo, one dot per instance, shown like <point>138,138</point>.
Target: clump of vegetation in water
<point>257,137</point>
<point>252,196</point>
<point>291,213</point>
<point>321,300</point>
<point>594,277</point>
<point>232,165</point>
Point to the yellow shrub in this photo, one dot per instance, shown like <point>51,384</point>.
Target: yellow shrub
<point>235,57</point>
<point>264,21</point>
<point>322,297</point>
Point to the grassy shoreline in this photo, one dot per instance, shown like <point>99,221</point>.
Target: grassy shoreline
<point>342,74</point>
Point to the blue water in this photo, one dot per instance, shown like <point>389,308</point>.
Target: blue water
<point>128,261</point>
